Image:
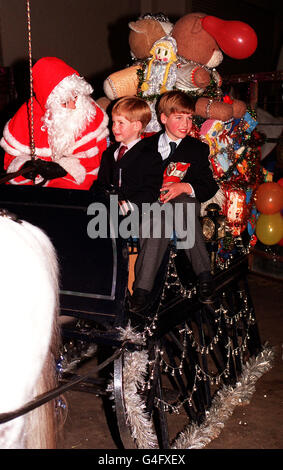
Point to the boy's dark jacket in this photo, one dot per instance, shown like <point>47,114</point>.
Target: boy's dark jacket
<point>142,170</point>
<point>199,174</point>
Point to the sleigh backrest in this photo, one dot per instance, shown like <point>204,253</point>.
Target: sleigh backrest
<point>94,272</point>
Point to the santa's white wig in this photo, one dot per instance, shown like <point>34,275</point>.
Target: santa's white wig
<point>69,88</point>
<point>66,125</point>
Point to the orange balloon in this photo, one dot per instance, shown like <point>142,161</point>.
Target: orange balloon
<point>269,228</point>
<point>269,198</point>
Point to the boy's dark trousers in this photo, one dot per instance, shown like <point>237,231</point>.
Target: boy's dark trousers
<point>152,249</point>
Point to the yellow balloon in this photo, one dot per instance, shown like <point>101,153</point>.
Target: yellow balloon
<point>269,228</point>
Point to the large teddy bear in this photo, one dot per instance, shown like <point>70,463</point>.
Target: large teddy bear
<point>199,39</point>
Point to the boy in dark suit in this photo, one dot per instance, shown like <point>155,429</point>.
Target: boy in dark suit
<point>130,166</point>
<point>175,111</point>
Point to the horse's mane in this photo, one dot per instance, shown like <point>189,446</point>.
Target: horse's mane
<point>29,332</point>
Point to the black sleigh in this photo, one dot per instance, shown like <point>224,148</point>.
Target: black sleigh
<point>168,374</point>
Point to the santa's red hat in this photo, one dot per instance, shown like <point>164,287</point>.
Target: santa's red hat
<point>47,73</point>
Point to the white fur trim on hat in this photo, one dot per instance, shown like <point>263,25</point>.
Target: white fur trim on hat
<point>69,88</point>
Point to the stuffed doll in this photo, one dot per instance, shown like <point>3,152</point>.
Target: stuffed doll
<point>143,34</point>
<point>161,69</point>
<point>158,76</point>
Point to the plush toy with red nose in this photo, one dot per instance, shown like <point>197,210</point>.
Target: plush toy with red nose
<point>201,41</point>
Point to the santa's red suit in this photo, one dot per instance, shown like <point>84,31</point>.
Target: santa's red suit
<point>80,158</point>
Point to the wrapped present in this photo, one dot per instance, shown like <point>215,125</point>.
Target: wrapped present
<point>248,123</point>
<point>251,224</point>
<point>175,172</point>
<point>217,135</point>
<point>267,175</point>
<point>235,210</point>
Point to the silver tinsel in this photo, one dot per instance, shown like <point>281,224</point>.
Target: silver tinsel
<point>194,436</point>
<point>134,372</point>
<point>224,403</point>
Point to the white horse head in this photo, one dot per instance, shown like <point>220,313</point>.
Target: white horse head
<point>29,308</point>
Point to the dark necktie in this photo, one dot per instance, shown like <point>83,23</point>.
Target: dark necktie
<point>122,150</point>
<point>173,146</point>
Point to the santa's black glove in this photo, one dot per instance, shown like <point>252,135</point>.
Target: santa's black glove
<point>48,170</point>
<point>32,166</point>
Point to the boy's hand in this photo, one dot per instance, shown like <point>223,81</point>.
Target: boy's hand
<point>125,207</point>
<point>172,190</point>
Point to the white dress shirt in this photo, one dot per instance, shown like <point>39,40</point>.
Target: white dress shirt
<point>164,150</point>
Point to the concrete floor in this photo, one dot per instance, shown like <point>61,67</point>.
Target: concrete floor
<point>258,425</point>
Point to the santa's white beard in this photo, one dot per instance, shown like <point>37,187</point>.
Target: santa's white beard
<point>65,125</point>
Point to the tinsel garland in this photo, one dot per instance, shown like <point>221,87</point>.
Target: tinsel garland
<point>134,372</point>
<point>140,74</point>
<point>194,436</point>
<point>224,403</point>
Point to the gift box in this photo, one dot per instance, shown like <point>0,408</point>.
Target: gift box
<point>175,172</point>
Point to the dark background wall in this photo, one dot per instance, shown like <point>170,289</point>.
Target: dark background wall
<point>92,35</point>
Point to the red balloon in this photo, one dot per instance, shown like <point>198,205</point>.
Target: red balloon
<point>269,198</point>
<point>280,182</point>
<point>281,242</point>
<point>236,39</point>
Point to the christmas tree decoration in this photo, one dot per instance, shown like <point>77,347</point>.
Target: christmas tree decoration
<point>235,160</point>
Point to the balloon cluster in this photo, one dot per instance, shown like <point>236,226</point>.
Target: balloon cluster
<point>269,202</point>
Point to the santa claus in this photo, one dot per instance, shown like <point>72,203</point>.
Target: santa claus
<point>69,131</point>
